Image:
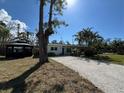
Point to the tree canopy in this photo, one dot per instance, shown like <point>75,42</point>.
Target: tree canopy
<point>87,37</point>
<point>4,33</point>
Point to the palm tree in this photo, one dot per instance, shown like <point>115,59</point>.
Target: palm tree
<point>78,38</point>
<point>87,37</point>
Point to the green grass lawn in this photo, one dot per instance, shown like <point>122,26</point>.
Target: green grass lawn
<point>114,58</point>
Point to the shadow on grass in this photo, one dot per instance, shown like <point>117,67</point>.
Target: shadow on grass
<point>18,84</point>
<point>3,58</point>
<point>99,59</point>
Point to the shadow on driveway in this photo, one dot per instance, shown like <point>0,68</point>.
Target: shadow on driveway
<point>98,59</point>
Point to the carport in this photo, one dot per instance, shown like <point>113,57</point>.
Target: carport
<point>17,50</point>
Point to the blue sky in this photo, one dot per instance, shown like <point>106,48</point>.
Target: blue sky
<point>105,16</point>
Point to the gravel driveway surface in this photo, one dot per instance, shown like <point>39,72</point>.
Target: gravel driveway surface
<point>108,77</point>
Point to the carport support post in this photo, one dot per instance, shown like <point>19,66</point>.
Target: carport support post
<point>6,51</point>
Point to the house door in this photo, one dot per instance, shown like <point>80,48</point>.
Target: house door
<point>63,51</point>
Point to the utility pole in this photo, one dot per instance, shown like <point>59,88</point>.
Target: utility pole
<point>18,28</point>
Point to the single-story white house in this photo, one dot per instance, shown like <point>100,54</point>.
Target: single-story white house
<point>60,49</point>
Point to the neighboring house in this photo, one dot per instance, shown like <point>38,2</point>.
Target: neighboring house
<point>60,49</point>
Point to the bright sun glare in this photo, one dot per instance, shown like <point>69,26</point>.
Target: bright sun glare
<point>70,3</point>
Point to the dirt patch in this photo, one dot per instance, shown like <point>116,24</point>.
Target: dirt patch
<point>53,77</point>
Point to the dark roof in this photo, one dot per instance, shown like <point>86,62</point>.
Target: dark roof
<point>19,40</point>
<point>21,44</point>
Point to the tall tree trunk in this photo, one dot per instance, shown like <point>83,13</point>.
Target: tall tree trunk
<point>48,31</point>
<point>41,34</point>
<point>45,48</point>
<point>44,35</point>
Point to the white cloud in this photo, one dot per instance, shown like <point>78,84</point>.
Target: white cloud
<point>4,17</point>
<point>7,19</point>
<point>13,25</point>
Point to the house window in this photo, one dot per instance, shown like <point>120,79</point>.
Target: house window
<point>51,48</point>
<point>54,48</point>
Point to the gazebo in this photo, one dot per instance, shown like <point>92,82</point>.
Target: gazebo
<point>18,48</point>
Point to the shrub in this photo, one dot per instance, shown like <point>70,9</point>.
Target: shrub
<point>120,52</point>
<point>2,51</point>
<point>35,52</point>
<point>51,54</point>
<point>89,52</point>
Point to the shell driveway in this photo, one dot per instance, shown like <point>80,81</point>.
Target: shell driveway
<point>107,77</point>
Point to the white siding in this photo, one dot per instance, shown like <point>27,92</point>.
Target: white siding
<point>58,51</point>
